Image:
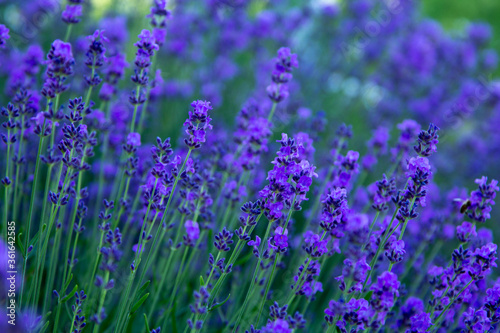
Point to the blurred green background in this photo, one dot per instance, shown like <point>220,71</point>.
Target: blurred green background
<point>454,14</point>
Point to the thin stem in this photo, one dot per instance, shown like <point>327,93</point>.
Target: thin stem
<point>53,266</point>
<point>138,255</point>
<point>270,117</point>
<point>264,298</point>
<point>436,322</point>
<point>101,300</point>
<point>18,170</point>
<point>68,32</point>
<point>380,246</point>
<point>252,283</point>
<point>157,237</point>
<point>6,187</point>
<point>136,106</point>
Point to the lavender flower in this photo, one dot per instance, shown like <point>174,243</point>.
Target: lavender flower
<point>60,63</point>
<point>481,200</point>
<point>95,56</point>
<point>284,64</point>
<point>192,231</point>
<point>4,35</point>
<point>62,154</point>
<point>279,242</point>
<point>427,141</point>
<point>197,124</point>
<point>72,13</point>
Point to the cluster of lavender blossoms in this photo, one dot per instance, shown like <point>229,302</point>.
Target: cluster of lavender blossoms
<point>284,220</point>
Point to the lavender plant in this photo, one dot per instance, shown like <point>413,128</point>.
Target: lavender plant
<point>141,206</point>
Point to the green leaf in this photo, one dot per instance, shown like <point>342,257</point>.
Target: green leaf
<point>66,285</point>
<point>69,295</point>
<point>244,259</point>
<point>20,245</point>
<point>143,287</point>
<point>146,321</point>
<point>174,318</point>
<point>368,295</point>
<point>202,283</point>
<point>219,304</point>
<point>34,240</point>
<point>44,328</point>
<point>139,303</point>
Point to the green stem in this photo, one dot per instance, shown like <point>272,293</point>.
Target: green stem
<point>380,246</point>
<point>268,286</point>
<point>436,322</point>
<point>252,283</point>
<point>101,300</point>
<point>6,187</point>
<point>33,191</point>
<point>18,170</point>
<point>166,269</point>
<point>96,261</point>
<point>138,255</point>
<point>136,106</point>
<point>148,93</point>
<point>68,32</point>
<point>270,117</point>
<point>157,237</point>
<point>53,266</point>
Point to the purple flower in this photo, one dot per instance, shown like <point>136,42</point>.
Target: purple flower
<point>277,326</point>
<point>223,239</point>
<point>60,63</point>
<point>192,230</point>
<point>334,309</point>
<point>72,13</point>
<point>110,251</point>
<point>427,141</point>
<point>277,93</point>
<point>420,323</point>
<point>282,73</point>
<point>115,68</point>
<point>465,231</point>
<point>4,35</point>
<point>481,200</point>
<point>116,31</point>
<point>310,288</point>
<point>255,243</point>
<point>147,43</point>
<point>477,321</point>
<point>356,271</point>
<point>484,260</point>
<point>385,189</point>
<point>384,291</point>
<point>134,139</point>
<point>197,124</point>
<point>159,14</point>
<point>418,166</point>
<point>95,56</point>
<point>334,208</point>
<point>286,60</point>
<point>136,246</point>
<point>252,134</point>
<point>356,312</point>
<point>279,242</point>
<point>409,129</point>
<point>395,250</point>
<point>315,247</point>
<point>479,33</point>
<point>378,142</point>
<point>107,91</point>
